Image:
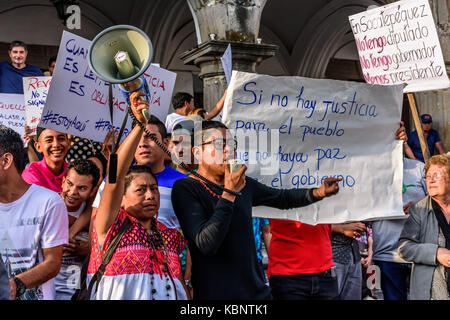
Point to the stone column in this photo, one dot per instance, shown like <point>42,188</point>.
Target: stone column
<point>218,23</point>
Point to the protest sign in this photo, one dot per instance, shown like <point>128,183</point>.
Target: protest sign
<point>293,132</point>
<point>227,63</point>
<point>78,101</point>
<point>35,91</point>
<point>12,112</point>
<point>398,43</point>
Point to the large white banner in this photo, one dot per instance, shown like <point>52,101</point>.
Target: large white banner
<point>12,112</point>
<point>77,101</point>
<point>35,91</point>
<point>398,43</point>
<point>293,132</point>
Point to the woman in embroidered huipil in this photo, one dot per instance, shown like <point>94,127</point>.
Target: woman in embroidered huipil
<point>146,263</point>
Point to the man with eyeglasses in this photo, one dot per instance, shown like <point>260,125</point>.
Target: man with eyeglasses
<point>217,221</point>
<point>11,74</point>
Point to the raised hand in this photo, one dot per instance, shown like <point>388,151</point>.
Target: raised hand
<point>137,105</point>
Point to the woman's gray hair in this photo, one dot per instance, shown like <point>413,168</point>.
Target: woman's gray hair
<point>441,159</point>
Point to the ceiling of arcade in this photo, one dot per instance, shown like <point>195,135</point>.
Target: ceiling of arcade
<point>309,33</point>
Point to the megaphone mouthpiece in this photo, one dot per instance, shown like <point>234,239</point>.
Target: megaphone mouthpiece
<point>124,65</point>
<point>120,54</point>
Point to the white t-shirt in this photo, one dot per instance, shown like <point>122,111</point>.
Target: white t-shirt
<point>172,119</point>
<point>36,221</point>
<point>68,278</point>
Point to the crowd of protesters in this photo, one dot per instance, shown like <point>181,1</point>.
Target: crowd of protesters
<point>177,223</point>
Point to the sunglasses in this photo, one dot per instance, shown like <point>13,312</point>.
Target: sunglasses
<point>219,144</point>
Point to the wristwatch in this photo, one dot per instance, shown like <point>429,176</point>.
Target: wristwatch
<point>188,283</point>
<point>20,287</point>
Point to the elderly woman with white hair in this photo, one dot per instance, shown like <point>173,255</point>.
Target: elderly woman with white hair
<point>425,239</point>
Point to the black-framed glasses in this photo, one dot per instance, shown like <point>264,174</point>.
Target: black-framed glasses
<point>219,144</point>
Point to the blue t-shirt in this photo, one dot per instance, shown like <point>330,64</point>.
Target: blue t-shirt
<point>166,214</point>
<point>414,143</point>
<point>11,78</point>
<point>258,224</point>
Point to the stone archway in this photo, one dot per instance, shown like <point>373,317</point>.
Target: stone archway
<point>325,33</point>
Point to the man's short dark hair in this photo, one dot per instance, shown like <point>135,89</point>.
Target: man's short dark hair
<point>161,127</point>
<point>39,131</point>
<point>10,142</point>
<point>206,125</point>
<point>103,161</point>
<point>180,98</point>
<point>17,43</point>
<point>85,167</point>
<point>51,60</point>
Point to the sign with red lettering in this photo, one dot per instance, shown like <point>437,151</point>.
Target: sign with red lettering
<point>398,44</point>
<point>78,101</point>
<point>35,90</point>
<point>12,112</point>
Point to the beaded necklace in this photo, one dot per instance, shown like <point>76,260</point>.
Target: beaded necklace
<point>155,230</point>
<point>207,188</point>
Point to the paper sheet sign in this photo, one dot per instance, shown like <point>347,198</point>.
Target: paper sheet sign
<point>227,63</point>
<point>12,112</point>
<point>398,43</point>
<point>35,91</point>
<point>78,101</point>
<point>293,132</point>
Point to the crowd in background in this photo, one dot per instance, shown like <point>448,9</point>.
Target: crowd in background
<point>177,223</point>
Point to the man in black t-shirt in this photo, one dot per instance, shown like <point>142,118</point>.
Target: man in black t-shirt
<point>218,224</point>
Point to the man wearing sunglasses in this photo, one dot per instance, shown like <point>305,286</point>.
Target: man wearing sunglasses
<point>217,221</point>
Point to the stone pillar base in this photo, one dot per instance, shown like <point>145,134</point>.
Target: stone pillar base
<point>245,57</point>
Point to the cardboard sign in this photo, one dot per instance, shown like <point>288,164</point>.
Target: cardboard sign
<point>293,132</point>
<point>12,112</point>
<point>78,101</point>
<point>397,44</point>
<point>35,91</point>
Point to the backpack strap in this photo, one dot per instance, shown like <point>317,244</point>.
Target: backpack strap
<point>107,255</point>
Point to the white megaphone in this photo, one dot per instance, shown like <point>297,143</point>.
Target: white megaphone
<point>121,54</point>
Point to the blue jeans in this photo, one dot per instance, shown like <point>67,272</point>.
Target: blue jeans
<point>394,279</point>
<point>349,278</point>
<point>316,286</point>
